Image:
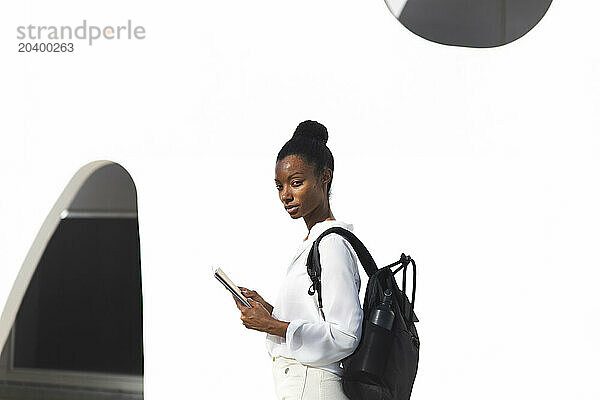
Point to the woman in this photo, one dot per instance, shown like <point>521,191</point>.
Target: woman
<point>306,345</point>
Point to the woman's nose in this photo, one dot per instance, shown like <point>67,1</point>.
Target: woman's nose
<point>285,195</point>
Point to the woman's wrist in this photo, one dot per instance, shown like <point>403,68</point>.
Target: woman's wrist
<point>277,327</point>
<point>268,307</point>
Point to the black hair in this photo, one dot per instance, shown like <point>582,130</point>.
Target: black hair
<point>310,142</point>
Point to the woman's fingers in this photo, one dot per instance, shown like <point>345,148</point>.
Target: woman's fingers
<point>251,294</point>
<point>246,319</point>
<point>238,303</point>
<point>254,303</point>
<point>247,292</point>
<point>252,317</point>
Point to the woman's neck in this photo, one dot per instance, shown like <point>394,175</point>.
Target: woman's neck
<point>324,215</point>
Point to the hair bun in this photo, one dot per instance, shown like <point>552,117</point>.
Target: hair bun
<point>312,130</point>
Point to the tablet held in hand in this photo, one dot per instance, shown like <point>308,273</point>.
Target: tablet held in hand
<point>228,283</point>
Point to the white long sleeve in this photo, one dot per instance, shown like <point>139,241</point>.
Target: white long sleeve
<point>323,342</point>
<point>310,339</point>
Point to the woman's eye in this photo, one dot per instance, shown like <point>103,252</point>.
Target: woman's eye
<point>279,187</point>
<point>296,183</point>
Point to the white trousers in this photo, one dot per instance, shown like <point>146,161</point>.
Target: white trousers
<point>296,381</point>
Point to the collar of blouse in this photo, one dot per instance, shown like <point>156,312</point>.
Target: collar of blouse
<point>316,230</point>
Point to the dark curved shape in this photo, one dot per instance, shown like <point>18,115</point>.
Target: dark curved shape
<point>72,327</point>
<point>473,23</point>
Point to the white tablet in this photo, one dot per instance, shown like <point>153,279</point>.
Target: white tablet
<point>228,283</point>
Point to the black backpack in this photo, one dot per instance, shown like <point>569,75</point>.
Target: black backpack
<point>398,372</point>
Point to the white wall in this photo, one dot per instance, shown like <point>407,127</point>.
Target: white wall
<point>482,164</point>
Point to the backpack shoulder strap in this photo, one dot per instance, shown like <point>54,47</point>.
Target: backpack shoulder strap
<point>313,262</point>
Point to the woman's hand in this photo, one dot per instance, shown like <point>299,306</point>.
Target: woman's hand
<point>252,294</point>
<point>258,318</point>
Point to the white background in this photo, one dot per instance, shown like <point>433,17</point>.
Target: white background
<point>482,164</point>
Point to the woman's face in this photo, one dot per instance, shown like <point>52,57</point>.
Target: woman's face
<point>302,193</point>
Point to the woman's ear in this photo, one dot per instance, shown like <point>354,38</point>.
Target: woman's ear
<point>326,176</point>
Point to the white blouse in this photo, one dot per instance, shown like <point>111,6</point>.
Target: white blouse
<point>310,339</point>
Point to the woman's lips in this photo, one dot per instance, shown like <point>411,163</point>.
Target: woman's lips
<point>292,210</point>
